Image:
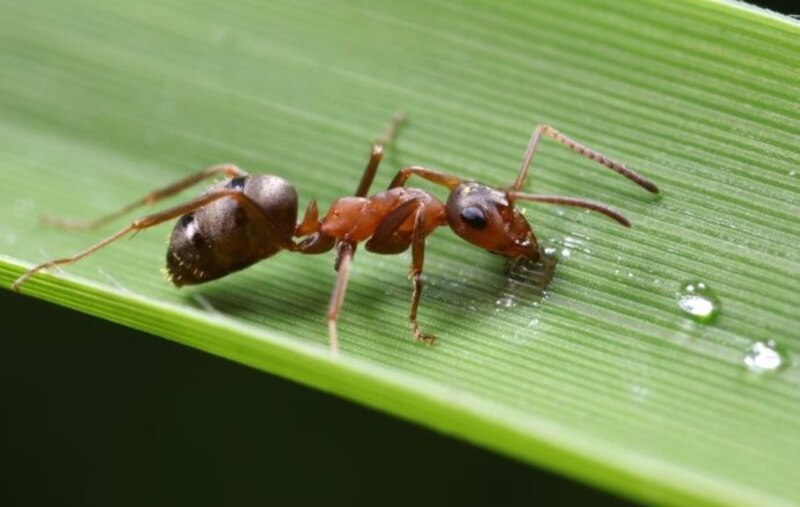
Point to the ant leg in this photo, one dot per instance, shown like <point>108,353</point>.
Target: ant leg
<point>436,177</point>
<point>571,201</point>
<point>377,155</point>
<point>370,171</point>
<point>389,238</point>
<point>346,249</point>
<point>344,259</point>
<point>577,147</point>
<point>142,223</point>
<point>417,260</point>
<point>320,244</point>
<point>229,170</point>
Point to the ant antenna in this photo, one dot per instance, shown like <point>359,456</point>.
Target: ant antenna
<point>571,201</point>
<point>547,130</point>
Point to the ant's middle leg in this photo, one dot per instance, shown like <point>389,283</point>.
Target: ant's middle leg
<point>344,259</point>
<point>144,223</point>
<point>229,170</point>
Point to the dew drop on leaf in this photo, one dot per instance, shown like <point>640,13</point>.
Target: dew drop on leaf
<point>698,301</point>
<point>763,357</point>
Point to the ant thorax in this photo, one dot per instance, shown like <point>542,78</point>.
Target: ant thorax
<point>360,218</point>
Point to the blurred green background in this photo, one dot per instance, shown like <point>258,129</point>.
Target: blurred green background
<point>78,429</point>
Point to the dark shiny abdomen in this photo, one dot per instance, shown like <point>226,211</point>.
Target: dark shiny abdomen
<point>223,237</point>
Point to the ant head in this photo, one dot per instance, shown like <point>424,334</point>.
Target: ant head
<point>487,218</point>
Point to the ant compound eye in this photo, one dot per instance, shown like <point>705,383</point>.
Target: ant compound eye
<point>473,217</point>
<point>237,183</point>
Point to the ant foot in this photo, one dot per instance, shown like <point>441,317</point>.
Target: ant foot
<point>427,339</point>
<point>17,284</point>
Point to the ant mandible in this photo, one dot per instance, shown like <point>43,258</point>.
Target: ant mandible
<point>247,218</point>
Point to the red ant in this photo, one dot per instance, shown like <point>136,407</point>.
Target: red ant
<point>247,218</point>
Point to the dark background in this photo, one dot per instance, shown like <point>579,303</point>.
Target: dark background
<point>98,414</point>
<point>167,425</point>
<point>783,6</point>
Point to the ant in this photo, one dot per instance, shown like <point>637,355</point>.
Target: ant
<point>247,218</point>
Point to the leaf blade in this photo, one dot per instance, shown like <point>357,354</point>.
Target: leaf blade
<point>573,381</point>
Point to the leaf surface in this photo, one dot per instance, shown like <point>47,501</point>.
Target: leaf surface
<point>602,376</point>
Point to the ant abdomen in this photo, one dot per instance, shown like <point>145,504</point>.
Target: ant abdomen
<point>225,236</point>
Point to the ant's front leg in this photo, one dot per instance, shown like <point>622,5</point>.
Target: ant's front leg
<point>436,177</point>
<point>417,260</point>
<point>390,238</point>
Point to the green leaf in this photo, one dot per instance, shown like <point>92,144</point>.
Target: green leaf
<point>602,377</point>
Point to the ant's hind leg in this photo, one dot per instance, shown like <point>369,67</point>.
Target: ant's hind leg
<point>138,225</point>
<point>229,170</point>
<point>547,130</point>
<point>346,250</point>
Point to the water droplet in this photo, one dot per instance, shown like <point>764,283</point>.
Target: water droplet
<point>506,301</point>
<point>566,252</point>
<point>699,302</point>
<point>639,393</point>
<point>763,357</point>
<point>792,173</point>
<point>550,250</point>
